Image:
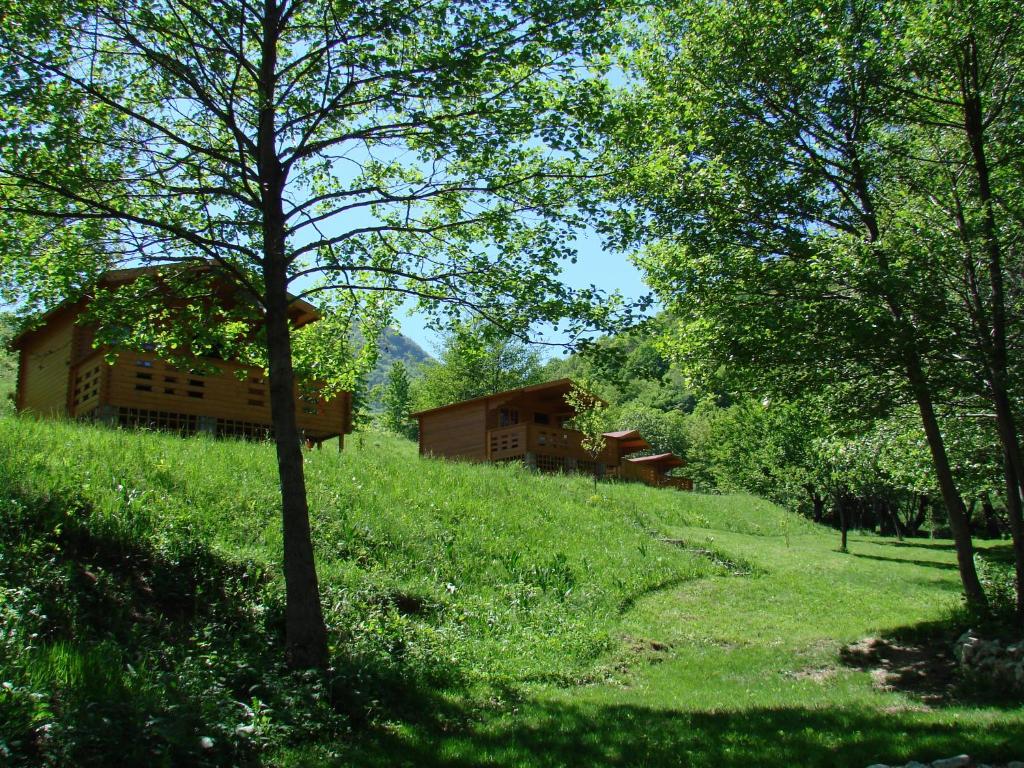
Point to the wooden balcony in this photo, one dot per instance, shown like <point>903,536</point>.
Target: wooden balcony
<point>515,441</point>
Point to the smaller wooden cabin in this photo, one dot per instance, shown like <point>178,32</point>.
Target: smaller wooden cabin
<point>525,424</point>
<point>529,424</point>
<point>61,373</point>
<point>653,470</point>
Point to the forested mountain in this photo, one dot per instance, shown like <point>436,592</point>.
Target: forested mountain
<point>395,346</point>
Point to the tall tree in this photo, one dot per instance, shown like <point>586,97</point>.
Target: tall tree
<point>304,146</point>
<point>960,173</point>
<point>397,399</point>
<point>764,191</point>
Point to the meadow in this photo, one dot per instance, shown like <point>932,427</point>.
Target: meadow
<point>479,615</point>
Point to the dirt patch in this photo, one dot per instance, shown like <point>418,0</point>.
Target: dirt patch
<point>925,669</point>
<point>817,675</point>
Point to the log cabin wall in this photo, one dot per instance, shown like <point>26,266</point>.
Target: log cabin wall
<point>43,367</point>
<point>60,374</point>
<point>458,433</point>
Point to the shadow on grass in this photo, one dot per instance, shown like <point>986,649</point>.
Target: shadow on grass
<point>555,734</point>
<point>923,563</point>
<point>147,649</point>
<point>916,543</point>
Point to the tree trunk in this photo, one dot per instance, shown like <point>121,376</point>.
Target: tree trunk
<point>994,341</point>
<point>305,632</point>
<point>1013,511</point>
<point>947,485</point>
<point>921,515</point>
<point>843,523</point>
<point>992,529</point>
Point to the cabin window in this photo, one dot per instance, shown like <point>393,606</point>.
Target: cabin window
<point>541,418</point>
<point>508,416</point>
<point>144,363</point>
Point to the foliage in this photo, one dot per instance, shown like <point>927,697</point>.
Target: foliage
<point>590,418</point>
<point>397,400</point>
<point>8,364</point>
<point>360,154</point>
<point>475,358</point>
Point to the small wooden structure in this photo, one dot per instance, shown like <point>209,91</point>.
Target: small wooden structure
<point>653,470</point>
<point>525,424</point>
<point>61,373</point>
<point>529,424</point>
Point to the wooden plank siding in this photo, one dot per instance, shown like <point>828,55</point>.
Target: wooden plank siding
<point>458,433</point>
<point>236,394</point>
<point>43,368</point>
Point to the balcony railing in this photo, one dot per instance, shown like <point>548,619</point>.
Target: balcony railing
<point>540,439</point>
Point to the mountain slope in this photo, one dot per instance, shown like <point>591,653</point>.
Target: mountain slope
<point>396,346</point>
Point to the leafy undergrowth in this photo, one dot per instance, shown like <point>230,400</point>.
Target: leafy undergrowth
<point>478,615</point>
<point>142,600</point>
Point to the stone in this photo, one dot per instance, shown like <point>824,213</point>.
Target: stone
<point>915,764</point>
<point>878,765</point>
<point>960,761</point>
<point>1015,764</point>
<point>206,742</point>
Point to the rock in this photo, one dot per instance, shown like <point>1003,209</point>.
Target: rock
<point>915,764</point>
<point>245,730</point>
<point>1015,764</point>
<point>960,761</point>
<point>206,742</point>
<point>878,765</point>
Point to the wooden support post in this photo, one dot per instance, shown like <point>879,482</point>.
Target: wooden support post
<point>530,459</point>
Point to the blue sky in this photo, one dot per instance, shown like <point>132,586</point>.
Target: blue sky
<point>595,266</point>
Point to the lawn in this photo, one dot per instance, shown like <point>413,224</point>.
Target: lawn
<point>478,615</point>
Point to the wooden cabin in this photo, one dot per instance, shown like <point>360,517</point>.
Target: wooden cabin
<point>525,424</point>
<point>653,470</point>
<point>61,373</point>
<point>529,424</point>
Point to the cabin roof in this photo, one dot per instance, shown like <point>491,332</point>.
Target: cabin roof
<point>307,313</point>
<point>660,460</point>
<point>558,387</point>
<point>629,440</point>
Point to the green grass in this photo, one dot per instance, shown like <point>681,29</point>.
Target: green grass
<point>478,615</point>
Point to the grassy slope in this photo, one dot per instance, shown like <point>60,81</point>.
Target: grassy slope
<point>479,614</point>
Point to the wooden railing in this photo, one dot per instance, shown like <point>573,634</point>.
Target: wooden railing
<point>679,483</point>
<point>519,439</point>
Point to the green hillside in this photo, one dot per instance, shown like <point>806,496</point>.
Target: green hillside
<point>479,615</point>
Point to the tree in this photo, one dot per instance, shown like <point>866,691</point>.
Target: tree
<point>397,400</point>
<point>476,358</point>
<point>590,419</point>
<point>307,148</point>
<point>764,180</point>
<point>960,175</point>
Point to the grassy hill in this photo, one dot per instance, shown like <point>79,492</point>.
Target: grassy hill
<point>478,615</point>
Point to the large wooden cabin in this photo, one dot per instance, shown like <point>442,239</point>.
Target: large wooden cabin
<point>62,373</point>
<point>529,424</point>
